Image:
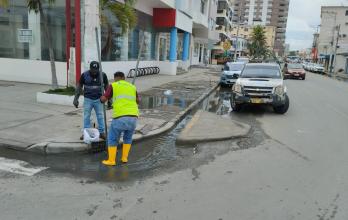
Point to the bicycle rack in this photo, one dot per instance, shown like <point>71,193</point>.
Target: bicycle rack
<point>143,71</point>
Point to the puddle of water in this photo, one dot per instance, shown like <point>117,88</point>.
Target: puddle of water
<point>146,157</point>
<point>157,102</point>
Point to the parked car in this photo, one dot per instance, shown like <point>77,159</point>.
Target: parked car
<point>231,73</point>
<point>309,67</point>
<point>294,70</point>
<point>260,84</point>
<point>304,64</point>
<point>317,68</point>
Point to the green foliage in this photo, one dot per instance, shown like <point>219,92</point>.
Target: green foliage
<point>124,13</point>
<point>70,91</point>
<point>36,5</point>
<point>258,47</point>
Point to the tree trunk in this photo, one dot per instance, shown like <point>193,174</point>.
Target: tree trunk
<point>50,47</point>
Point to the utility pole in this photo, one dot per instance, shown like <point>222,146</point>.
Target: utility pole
<point>338,27</point>
<point>333,38</point>
<point>237,38</point>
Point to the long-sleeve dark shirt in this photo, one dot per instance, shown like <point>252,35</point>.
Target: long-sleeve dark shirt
<point>91,85</point>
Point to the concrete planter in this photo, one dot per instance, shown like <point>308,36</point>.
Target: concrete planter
<point>56,99</point>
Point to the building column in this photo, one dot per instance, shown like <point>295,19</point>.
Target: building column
<point>173,43</point>
<point>34,25</point>
<point>91,21</point>
<point>68,41</point>
<point>186,46</point>
<point>77,39</point>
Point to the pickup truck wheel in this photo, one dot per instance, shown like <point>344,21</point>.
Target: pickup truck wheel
<point>303,78</point>
<point>235,107</point>
<point>283,108</point>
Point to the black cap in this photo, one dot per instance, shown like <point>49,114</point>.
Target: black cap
<point>94,65</point>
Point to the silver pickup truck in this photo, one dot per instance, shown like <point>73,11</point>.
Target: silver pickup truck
<point>260,83</point>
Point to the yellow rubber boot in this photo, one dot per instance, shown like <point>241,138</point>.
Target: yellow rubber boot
<point>125,151</point>
<point>112,150</point>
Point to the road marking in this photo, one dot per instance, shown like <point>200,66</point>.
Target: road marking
<point>19,167</point>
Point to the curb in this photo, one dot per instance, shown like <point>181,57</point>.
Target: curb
<point>200,140</point>
<point>81,147</point>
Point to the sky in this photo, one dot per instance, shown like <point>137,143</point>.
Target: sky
<point>304,17</point>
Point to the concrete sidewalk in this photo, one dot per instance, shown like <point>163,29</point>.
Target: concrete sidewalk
<point>29,126</point>
<point>207,126</point>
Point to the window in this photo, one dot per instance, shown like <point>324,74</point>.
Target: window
<point>119,47</point>
<point>196,49</point>
<point>16,17</point>
<point>346,12</point>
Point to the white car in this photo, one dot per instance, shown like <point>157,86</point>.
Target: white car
<point>231,73</point>
<point>260,84</point>
<point>309,67</point>
<point>318,68</point>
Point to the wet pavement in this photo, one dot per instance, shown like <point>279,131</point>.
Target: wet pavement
<point>292,166</point>
<point>159,154</point>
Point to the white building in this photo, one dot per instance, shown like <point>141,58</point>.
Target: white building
<point>334,31</point>
<point>177,34</point>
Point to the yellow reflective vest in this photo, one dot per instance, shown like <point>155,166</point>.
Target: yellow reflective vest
<point>124,99</point>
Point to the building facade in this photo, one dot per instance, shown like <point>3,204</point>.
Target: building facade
<point>266,13</point>
<point>174,33</point>
<point>333,38</point>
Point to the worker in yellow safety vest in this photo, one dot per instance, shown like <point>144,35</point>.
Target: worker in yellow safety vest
<point>125,116</point>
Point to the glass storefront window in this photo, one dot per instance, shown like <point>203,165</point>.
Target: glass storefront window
<point>56,21</point>
<point>11,20</point>
<point>15,21</point>
<point>117,47</point>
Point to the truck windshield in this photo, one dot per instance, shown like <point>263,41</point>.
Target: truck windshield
<point>261,72</point>
<point>234,67</point>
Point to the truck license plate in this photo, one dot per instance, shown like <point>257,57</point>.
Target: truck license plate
<point>256,100</point>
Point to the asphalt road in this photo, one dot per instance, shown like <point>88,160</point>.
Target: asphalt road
<point>293,166</point>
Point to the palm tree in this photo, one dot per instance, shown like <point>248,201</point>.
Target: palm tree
<point>258,46</point>
<point>124,13</point>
